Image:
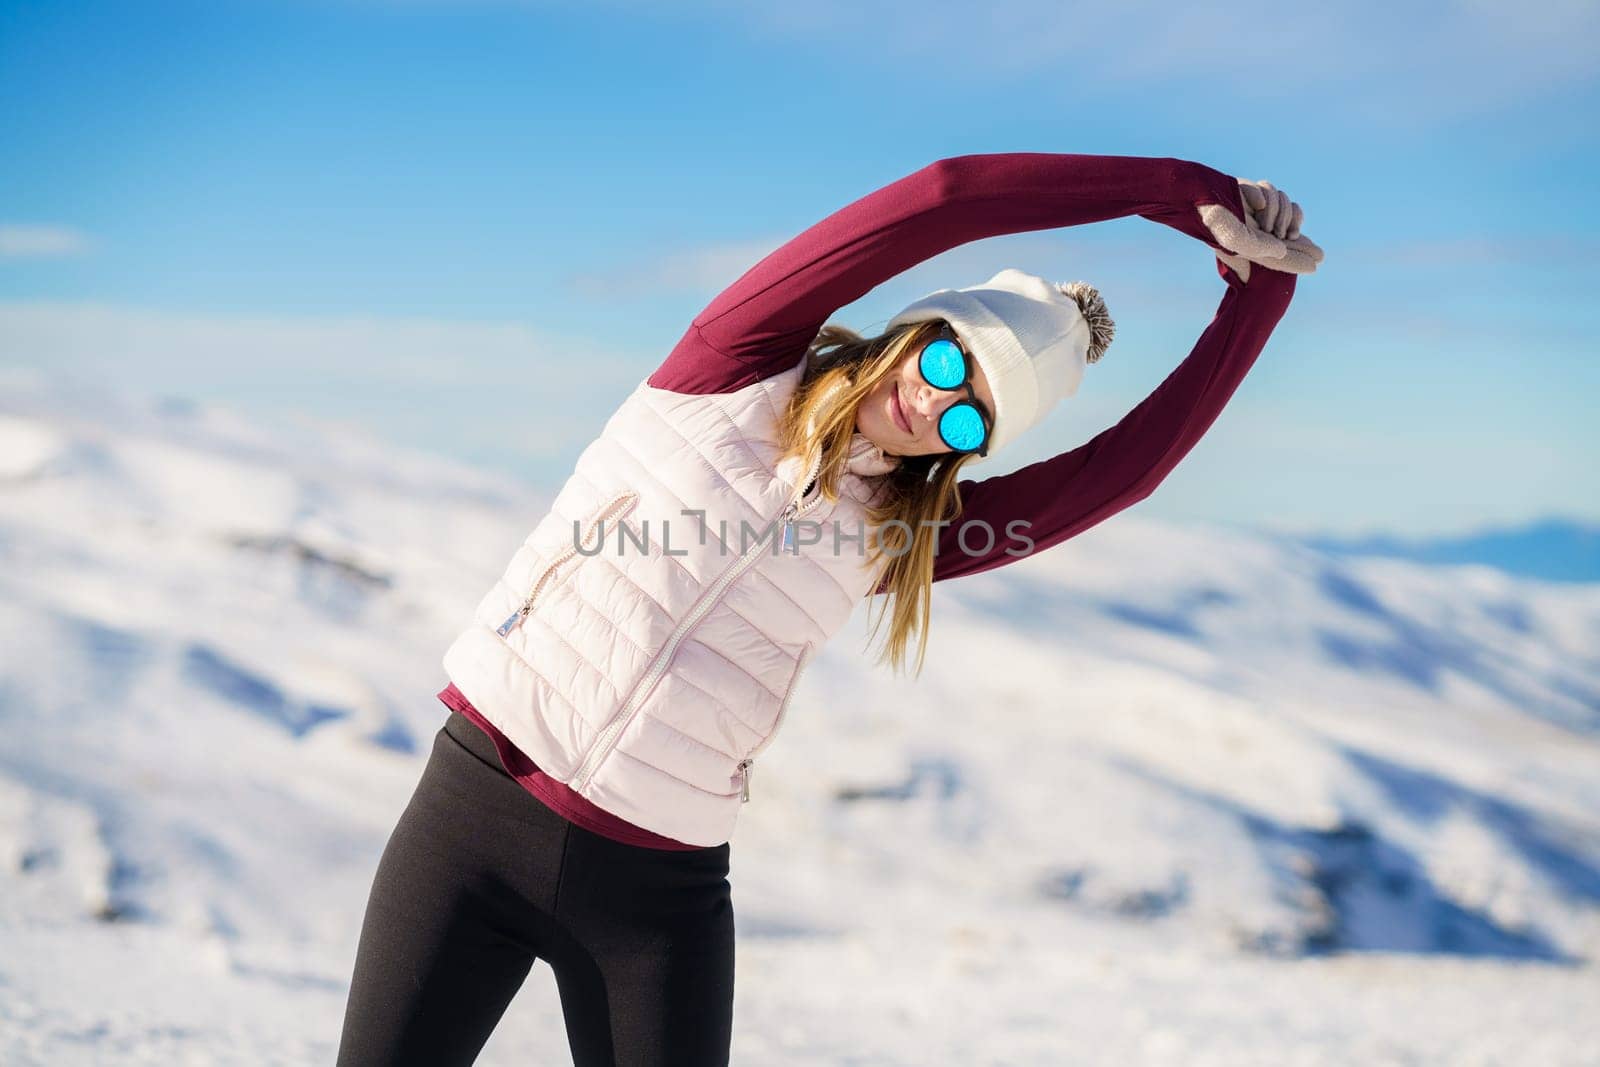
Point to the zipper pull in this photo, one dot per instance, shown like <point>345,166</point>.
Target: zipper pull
<point>511,621</point>
<point>789,513</point>
<point>744,774</point>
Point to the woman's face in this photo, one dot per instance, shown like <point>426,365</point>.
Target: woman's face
<point>901,414</point>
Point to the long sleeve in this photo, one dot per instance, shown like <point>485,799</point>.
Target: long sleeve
<point>764,322</point>
<point>1062,496</point>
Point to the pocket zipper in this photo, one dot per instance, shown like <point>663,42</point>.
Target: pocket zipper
<point>748,763</point>
<point>626,498</point>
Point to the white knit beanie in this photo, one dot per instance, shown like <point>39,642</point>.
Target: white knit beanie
<point>1031,337</point>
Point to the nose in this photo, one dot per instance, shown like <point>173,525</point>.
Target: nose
<point>930,402</point>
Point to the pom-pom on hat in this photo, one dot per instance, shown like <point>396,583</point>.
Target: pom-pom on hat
<point>1032,338</point>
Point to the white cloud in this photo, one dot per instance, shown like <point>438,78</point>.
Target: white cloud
<point>1475,250</point>
<point>1089,253</point>
<point>24,241</point>
<point>1379,62</point>
<point>705,268</point>
<point>501,393</point>
<point>112,339</point>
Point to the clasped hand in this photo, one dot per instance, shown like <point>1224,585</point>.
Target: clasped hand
<point>1269,235</point>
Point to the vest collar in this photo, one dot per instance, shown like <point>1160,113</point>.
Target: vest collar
<point>867,459</point>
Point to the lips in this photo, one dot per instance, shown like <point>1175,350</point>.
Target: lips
<point>900,417</point>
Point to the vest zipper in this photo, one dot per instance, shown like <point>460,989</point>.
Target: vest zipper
<point>788,525</point>
<point>608,736</point>
<point>748,762</point>
<point>626,498</point>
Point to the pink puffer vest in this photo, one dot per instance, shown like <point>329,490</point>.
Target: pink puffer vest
<point>650,670</point>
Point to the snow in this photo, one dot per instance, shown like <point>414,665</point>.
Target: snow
<point>1161,795</point>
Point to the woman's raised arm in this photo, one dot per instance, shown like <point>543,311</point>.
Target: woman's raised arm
<point>764,322</point>
<point>1062,496</point>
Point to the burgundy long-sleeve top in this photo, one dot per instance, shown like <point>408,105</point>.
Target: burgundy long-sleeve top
<point>766,320</point>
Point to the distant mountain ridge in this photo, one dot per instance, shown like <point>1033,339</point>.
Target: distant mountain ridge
<point>1554,549</point>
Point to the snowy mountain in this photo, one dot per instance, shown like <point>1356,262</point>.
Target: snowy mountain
<point>1162,794</point>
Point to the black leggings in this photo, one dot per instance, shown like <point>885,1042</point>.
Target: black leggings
<point>479,879</point>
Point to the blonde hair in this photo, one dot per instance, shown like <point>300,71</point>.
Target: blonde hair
<point>843,368</point>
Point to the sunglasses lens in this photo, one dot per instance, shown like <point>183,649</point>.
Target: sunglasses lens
<point>943,365</point>
<point>962,427</point>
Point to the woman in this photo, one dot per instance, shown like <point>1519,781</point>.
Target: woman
<point>616,687</point>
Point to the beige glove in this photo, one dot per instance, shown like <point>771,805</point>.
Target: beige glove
<point>1273,209</point>
<point>1270,234</point>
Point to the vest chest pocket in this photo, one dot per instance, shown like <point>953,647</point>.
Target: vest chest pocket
<point>584,536</point>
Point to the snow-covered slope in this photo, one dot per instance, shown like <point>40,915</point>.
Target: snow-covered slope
<point>1161,794</point>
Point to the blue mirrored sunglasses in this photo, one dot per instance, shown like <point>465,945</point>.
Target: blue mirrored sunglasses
<point>944,365</point>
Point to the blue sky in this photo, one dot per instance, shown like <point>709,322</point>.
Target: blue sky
<point>472,227</point>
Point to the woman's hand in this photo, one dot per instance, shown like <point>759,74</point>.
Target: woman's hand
<point>1272,208</point>
<point>1269,235</point>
